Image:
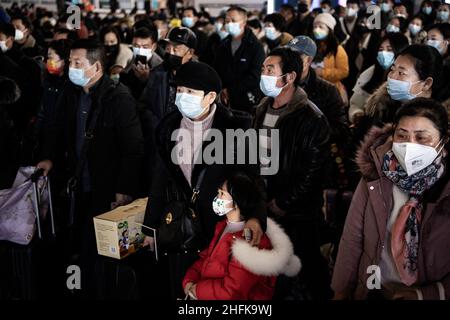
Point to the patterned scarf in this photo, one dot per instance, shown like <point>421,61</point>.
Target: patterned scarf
<point>405,230</point>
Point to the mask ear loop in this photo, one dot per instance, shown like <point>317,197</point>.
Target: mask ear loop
<point>411,84</point>
<point>443,145</point>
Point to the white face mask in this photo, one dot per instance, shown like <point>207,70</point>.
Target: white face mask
<point>220,206</point>
<point>189,105</point>
<point>3,46</point>
<point>268,85</point>
<point>143,52</point>
<point>414,157</point>
<point>351,12</point>
<point>19,35</point>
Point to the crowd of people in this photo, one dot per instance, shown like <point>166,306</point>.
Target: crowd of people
<point>347,106</point>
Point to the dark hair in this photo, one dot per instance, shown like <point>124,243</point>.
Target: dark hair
<point>110,29</point>
<point>328,2</point>
<point>247,194</point>
<point>353,1</point>
<point>254,23</point>
<point>7,29</point>
<point>145,33</point>
<point>277,20</point>
<point>398,42</point>
<point>289,61</point>
<point>95,51</point>
<point>62,48</point>
<point>25,21</point>
<point>427,63</point>
<point>427,108</point>
<point>194,11</point>
<point>238,9</point>
<point>331,45</point>
<point>71,34</point>
<point>444,29</point>
<point>288,7</point>
<point>424,2</point>
<point>143,23</point>
<point>420,17</point>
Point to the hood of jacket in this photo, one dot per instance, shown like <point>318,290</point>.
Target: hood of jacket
<point>379,101</point>
<point>370,155</point>
<point>278,260</point>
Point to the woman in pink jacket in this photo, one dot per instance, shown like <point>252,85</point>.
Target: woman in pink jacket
<point>396,239</point>
<point>230,268</point>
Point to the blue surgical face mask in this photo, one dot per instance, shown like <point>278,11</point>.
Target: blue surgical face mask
<point>218,26</point>
<point>385,59</point>
<point>78,77</point>
<point>268,86</point>
<point>223,34</point>
<point>320,33</point>
<point>188,22</point>
<point>189,105</point>
<point>385,7</point>
<point>436,44</point>
<point>427,10</point>
<point>271,33</point>
<point>401,90</point>
<point>392,29</point>
<point>442,15</point>
<point>233,28</point>
<point>414,29</point>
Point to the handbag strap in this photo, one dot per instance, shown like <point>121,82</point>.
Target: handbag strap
<point>196,190</point>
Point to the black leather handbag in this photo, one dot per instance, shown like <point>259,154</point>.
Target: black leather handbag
<point>180,227</point>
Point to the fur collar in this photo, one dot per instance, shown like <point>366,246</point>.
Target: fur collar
<point>379,102</point>
<point>279,260</point>
<point>370,155</point>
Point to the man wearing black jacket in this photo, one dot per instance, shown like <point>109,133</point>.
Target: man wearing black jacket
<point>321,92</point>
<point>109,175</point>
<point>295,191</point>
<point>327,98</point>
<point>190,20</point>
<point>144,47</point>
<point>111,170</point>
<point>238,62</point>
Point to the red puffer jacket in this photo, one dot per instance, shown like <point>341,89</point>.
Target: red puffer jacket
<point>231,269</point>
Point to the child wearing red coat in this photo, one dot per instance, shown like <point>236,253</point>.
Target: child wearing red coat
<point>230,268</point>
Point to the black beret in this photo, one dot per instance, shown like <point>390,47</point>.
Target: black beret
<point>184,36</point>
<point>198,76</point>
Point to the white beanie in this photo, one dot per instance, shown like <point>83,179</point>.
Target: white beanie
<point>326,19</point>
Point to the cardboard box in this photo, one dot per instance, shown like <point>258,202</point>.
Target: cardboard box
<point>118,232</point>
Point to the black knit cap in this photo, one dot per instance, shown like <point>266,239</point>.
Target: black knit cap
<point>184,36</point>
<point>198,76</point>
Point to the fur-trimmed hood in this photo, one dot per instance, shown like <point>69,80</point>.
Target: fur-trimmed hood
<point>380,105</point>
<point>370,155</point>
<point>279,260</point>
